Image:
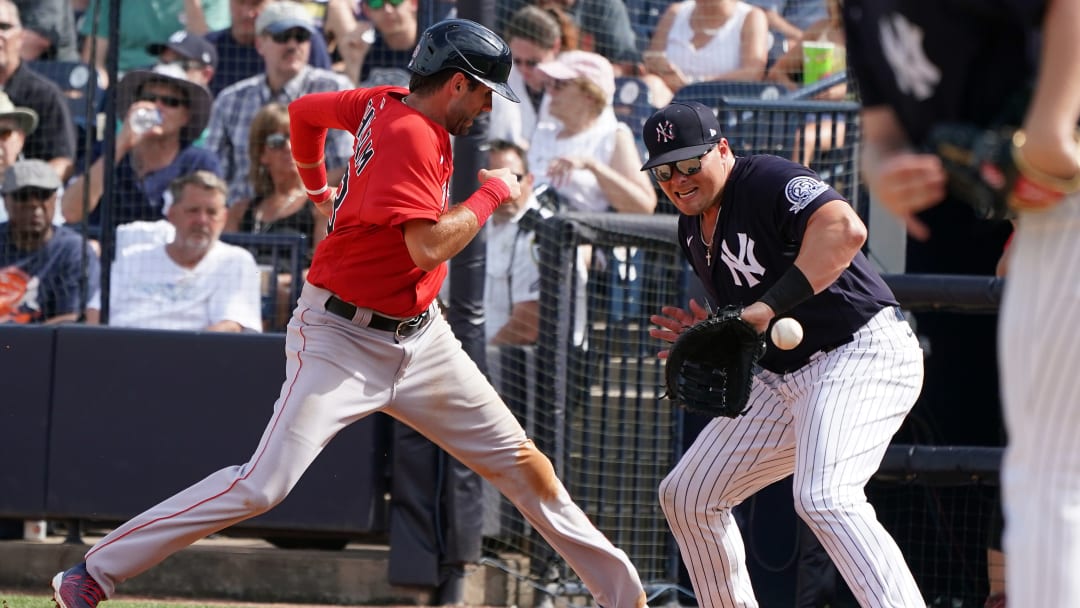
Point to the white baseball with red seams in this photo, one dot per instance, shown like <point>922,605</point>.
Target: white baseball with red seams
<point>786,333</point>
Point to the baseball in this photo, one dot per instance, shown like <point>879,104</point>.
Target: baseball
<point>786,333</point>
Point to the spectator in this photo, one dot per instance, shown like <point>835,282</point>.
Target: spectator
<point>280,204</point>
<point>49,32</point>
<point>590,157</point>
<point>512,289</point>
<point>698,40</point>
<point>380,47</point>
<point>604,25</point>
<point>194,282</point>
<point>192,52</point>
<point>41,265</point>
<point>15,124</point>
<point>788,19</point>
<point>144,23</point>
<point>788,70</point>
<point>238,57</point>
<point>54,140</point>
<point>284,30</point>
<point>534,37</point>
<point>146,162</point>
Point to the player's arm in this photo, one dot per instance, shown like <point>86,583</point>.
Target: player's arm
<point>309,118</point>
<point>432,243</point>
<point>1050,123</point>
<point>833,237</point>
<point>902,181</point>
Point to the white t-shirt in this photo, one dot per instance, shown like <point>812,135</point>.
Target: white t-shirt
<point>151,291</point>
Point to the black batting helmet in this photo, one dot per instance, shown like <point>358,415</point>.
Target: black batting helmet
<point>467,46</point>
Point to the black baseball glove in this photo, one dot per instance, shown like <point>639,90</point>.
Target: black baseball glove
<point>979,165</point>
<point>710,367</point>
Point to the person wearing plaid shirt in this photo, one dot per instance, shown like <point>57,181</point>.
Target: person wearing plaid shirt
<point>283,38</point>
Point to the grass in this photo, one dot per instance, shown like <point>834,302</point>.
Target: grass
<point>39,601</point>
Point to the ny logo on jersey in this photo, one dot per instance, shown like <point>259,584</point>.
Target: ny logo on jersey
<point>665,132</point>
<point>744,264</point>
<point>902,43</point>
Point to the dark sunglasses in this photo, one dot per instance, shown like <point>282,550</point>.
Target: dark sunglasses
<point>377,4</point>
<point>24,195</point>
<point>166,100</point>
<point>688,167</point>
<point>529,63</point>
<point>298,34</point>
<point>276,141</point>
<point>189,64</point>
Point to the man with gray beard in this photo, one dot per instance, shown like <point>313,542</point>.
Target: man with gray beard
<point>194,281</point>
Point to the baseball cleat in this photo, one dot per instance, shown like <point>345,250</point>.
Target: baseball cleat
<point>75,588</point>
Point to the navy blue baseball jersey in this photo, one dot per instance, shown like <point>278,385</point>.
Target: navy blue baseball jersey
<point>969,61</point>
<point>764,209</point>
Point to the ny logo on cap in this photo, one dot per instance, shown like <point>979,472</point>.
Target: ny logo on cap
<point>665,132</point>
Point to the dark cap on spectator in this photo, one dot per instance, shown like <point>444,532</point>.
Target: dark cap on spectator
<point>679,131</point>
<point>283,15</point>
<point>188,46</point>
<point>30,173</point>
<point>26,118</point>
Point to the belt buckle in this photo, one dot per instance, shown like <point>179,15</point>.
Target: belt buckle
<point>408,327</point>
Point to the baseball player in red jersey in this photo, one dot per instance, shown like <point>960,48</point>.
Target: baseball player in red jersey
<point>367,335</point>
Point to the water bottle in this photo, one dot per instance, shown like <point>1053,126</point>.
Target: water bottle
<point>144,119</point>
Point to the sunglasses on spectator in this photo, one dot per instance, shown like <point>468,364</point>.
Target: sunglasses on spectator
<point>377,4</point>
<point>166,100</point>
<point>688,167</point>
<point>277,141</point>
<point>23,195</point>
<point>298,34</point>
<point>189,64</point>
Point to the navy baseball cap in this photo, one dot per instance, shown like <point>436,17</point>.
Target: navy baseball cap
<point>189,46</point>
<point>679,131</point>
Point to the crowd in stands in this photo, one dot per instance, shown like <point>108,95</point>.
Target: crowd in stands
<point>202,87</point>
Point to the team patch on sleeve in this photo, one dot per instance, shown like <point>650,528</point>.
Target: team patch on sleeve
<point>801,190</point>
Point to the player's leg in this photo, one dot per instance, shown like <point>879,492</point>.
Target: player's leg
<point>851,402</point>
<point>1040,345</point>
<point>446,397</point>
<point>333,377</point>
<point>730,460</point>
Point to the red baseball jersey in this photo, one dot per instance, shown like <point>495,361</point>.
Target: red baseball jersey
<point>400,171</point>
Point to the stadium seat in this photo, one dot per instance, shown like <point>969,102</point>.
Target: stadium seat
<point>710,92</point>
<point>73,78</point>
<point>633,106</point>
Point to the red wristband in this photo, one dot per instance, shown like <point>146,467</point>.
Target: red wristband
<point>484,201</point>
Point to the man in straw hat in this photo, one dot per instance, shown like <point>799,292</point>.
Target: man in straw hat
<point>147,161</point>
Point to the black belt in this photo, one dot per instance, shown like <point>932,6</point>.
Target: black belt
<point>401,327</point>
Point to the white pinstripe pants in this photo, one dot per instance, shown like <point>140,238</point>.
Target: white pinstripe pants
<point>336,373</point>
<point>1039,333</point>
<point>828,424</point>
